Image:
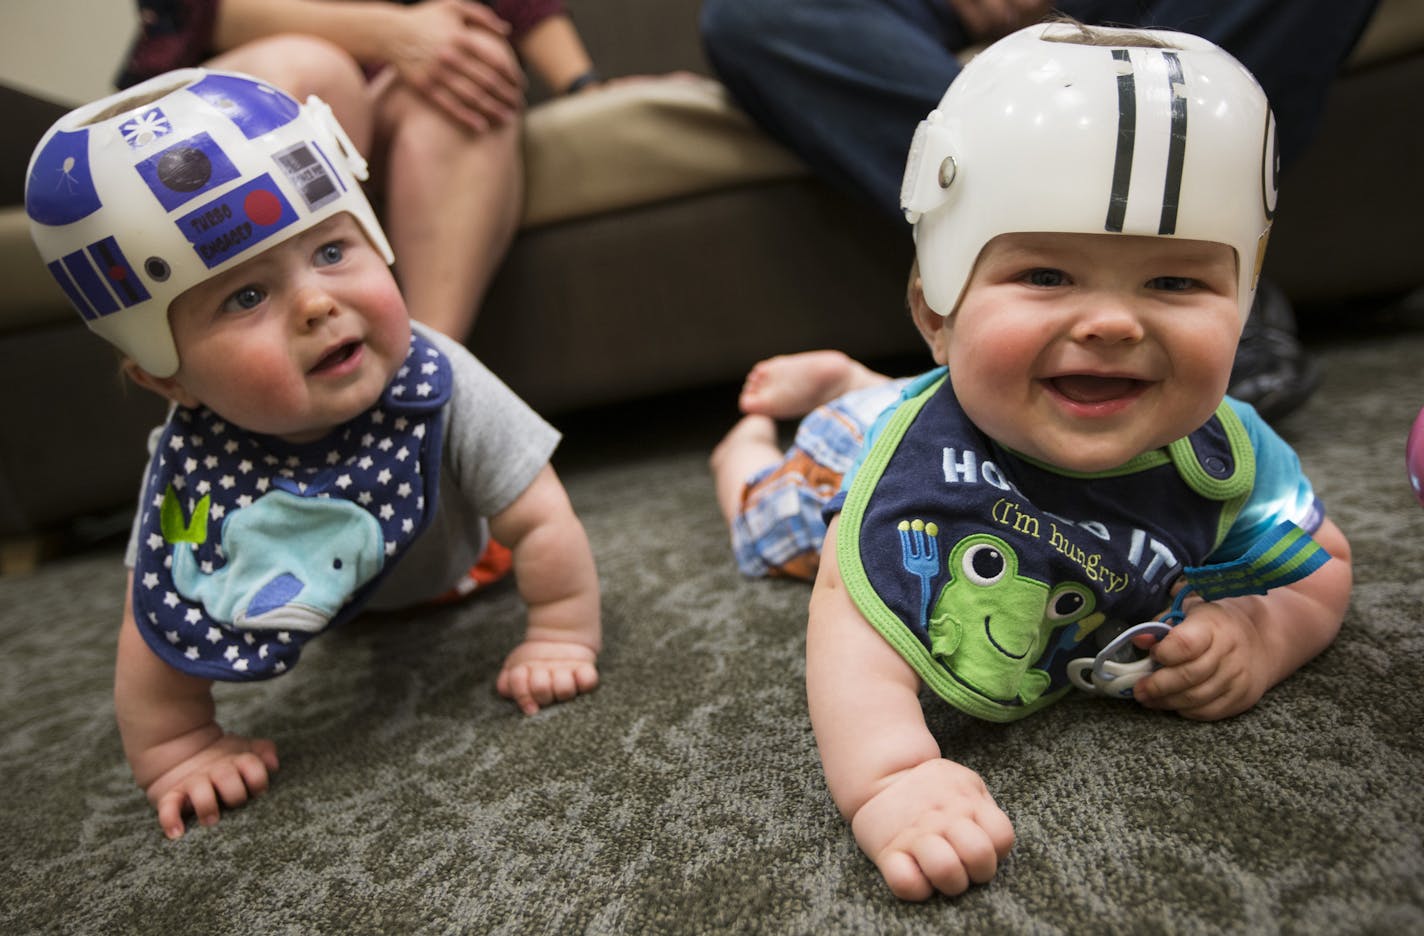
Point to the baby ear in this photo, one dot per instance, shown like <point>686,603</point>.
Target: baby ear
<point>167,387</point>
<point>933,327</point>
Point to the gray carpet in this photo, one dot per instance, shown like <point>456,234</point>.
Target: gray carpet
<point>685,795</point>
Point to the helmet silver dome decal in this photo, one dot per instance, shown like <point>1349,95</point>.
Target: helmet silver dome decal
<point>142,195</point>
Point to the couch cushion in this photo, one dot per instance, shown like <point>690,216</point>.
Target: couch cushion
<point>31,296</point>
<point>1396,28</point>
<point>638,141</point>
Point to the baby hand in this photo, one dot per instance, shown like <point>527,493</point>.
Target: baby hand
<point>935,827</point>
<point>542,672</point>
<point>229,770</point>
<point>1214,665</point>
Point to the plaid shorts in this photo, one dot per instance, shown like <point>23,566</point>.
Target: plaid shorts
<point>779,530</point>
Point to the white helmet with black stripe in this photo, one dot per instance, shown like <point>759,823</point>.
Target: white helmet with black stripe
<point>140,196</point>
<point>1043,132</point>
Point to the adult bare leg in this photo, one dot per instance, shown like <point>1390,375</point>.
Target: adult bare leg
<point>452,202</point>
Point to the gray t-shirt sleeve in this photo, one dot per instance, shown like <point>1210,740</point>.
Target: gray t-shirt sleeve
<point>495,446</point>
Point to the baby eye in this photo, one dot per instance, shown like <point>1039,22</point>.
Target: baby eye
<point>1045,277</point>
<point>248,297</point>
<point>328,254</point>
<point>1173,283</point>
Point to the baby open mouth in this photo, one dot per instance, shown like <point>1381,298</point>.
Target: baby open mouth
<point>1087,388</point>
<point>338,356</point>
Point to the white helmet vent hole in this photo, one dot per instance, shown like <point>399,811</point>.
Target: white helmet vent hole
<point>134,102</point>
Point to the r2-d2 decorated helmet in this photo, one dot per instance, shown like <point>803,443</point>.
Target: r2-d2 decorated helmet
<point>137,197</point>
<point>1042,132</point>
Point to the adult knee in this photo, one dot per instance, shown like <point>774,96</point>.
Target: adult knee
<point>421,131</point>
<point>737,33</point>
<point>302,65</point>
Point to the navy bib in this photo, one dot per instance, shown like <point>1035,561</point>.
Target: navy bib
<point>986,570</point>
<point>249,546</point>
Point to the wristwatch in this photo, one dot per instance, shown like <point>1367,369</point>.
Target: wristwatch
<point>590,77</point>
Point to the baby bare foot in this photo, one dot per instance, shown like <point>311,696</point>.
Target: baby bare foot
<point>789,386</point>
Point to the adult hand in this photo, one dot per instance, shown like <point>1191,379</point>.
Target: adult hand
<point>985,20</point>
<point>456,53</point>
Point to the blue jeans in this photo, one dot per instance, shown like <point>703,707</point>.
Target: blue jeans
<point>844,83</point>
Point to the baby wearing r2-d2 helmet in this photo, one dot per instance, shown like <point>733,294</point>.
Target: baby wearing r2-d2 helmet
<point>142,195</point>
<point>1043,132</point>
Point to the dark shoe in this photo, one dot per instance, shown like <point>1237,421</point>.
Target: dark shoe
<point>1272,372</point>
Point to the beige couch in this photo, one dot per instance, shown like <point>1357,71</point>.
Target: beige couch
<point>667,244</point>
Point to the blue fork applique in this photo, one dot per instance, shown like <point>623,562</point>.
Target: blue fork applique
<point>919,553</point>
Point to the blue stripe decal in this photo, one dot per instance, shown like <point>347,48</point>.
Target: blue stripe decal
<point>56,269</point>
<point>112,263</point>
<point>90,283</point>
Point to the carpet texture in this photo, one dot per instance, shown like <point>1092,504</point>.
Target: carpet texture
<point>685,795</point>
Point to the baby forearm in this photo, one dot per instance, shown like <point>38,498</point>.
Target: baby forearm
<point>1297,622</point>
<point>573,618</point>
<point>553,563</point>
<point>164,716</point>
<point>555,574</point>
<point>884,758</point>
<point>862,697</point>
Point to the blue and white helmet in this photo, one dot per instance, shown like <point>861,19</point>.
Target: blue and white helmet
<point>1042,132</point>
<point>137,197</point>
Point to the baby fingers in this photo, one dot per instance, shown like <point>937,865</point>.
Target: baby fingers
<point>947,859</point>
<point>532,686</point>
<point>514,684</point>
<point>229,782</point>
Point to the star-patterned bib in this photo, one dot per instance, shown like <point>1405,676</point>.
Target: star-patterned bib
<point>249,546</point>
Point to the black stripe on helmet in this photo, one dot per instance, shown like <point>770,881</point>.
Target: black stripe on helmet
<point>1177,145</point>
<point>1126,137</point>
